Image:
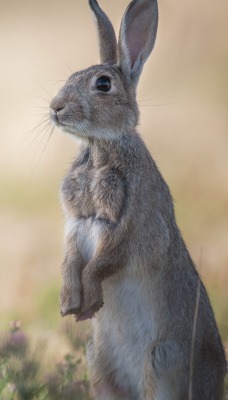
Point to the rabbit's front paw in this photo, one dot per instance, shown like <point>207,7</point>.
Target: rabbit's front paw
<point>70,301</point>
<point>92,299</point>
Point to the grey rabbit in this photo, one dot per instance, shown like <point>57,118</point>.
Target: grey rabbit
<point>126,263</point>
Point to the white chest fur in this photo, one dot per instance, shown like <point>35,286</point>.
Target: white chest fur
<point>87,232</point>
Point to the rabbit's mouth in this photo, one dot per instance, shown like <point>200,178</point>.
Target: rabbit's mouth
<point>54,117</point>
<point>68,118</point>
<point>66,126</point>
<point>56,122</point>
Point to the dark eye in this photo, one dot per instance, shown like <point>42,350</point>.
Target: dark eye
<point>103,84</point>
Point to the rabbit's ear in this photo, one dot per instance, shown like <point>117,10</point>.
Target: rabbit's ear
<point>137,37</point>
<point>106,34</point>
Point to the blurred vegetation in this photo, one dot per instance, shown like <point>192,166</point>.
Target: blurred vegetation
<point>23,375</point>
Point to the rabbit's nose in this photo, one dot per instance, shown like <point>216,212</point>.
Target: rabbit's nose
<point>57,104</point>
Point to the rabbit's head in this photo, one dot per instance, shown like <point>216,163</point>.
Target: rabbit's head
<point>100,102</point>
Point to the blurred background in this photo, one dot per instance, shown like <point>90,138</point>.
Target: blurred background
<point>183,97</point>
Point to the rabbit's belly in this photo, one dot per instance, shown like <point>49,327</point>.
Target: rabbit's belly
<point>88,233</point>
<point>126,326</point>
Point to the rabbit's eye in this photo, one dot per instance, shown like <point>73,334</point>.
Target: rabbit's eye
<point>103,84</point>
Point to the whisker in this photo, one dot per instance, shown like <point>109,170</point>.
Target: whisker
<point>161,104</point>
<point>58,72</point>
<point>49,132</point>
<point>32,144</point>
<point>44,99</point>
<point>45,119</point>
<point>36,128</point>
<point>55,81</point>
<point>37,131</point>
<point>43,132</point>
<point>152,98</point>
<point>37,114</point>
<point>48,96</point>
<point>36,107</point>
<point>63,61</point>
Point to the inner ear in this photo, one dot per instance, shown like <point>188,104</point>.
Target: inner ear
<point>137,33</point>
<point>137,37</point>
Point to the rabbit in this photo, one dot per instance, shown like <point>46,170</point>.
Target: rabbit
<point>126,265</point>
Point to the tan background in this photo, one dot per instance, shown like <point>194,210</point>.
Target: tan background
<point>183,98</point>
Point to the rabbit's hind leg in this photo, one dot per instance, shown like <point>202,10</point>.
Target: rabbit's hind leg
<point>163,373</point>
<point>102,389</point>
<point>106,393</point>
<point>103,378</point>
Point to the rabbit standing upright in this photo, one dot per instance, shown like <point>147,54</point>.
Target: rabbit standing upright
<point>126,263</point>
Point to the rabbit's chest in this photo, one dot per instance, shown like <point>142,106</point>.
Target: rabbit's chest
<point>92,200</point>
<point>76,194</point>
<point>97,194</point>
